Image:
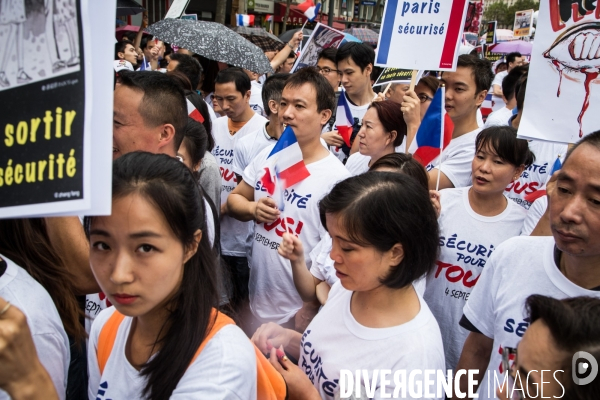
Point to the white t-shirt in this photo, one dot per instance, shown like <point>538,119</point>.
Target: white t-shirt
<point>498,101</point>
<point>256,102</point>
<point>49,336</point>
<point>466,241</point>
<point>334,340</point>
<point>225,369</point>
<point>518,268</point>
<point>249,146</point>
<point>235,235</point>
<point>457,159</point>
<point>534,214</point>
<point>535,177</point>
<point>357,112</point>
<point>480,122</point>
<point>498,118</point>
<point>273,296</point>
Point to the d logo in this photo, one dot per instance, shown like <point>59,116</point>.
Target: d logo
<point>580,368</point>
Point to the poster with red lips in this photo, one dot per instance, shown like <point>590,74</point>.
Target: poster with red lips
<point>563,87</point>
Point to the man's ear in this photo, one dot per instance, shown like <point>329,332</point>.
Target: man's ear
<point>369,69</point>
<point>480,97</point>
<point>273,106</point>
<point>325,116</point>
<point>167,135</point>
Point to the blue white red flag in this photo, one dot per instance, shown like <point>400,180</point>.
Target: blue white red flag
<point>244,20</point>
<point>193,112</point>
<point>269,18</point>
<point>285,163</point>
<point>487,106</point>
<point>344,120</point>
<point>310,10</point>
<point>435,131</point>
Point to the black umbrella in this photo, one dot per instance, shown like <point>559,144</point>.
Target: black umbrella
<point>287,35</point>
<point>129,7</point>
<point>213,41</point>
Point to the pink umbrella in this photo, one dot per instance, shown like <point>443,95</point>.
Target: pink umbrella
<point>514,45</point>
<point>119,32</point>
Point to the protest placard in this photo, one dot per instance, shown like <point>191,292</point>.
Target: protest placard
<point>47,166</point>
<point>563,76</point>
<point>193,17</point>
<point>523,22</point>
<point>473,19</point>
<point>421,35</point>
<point>488,33</point>
<point>396,75</point>
<point>177,8</point>
<point>322,37</point>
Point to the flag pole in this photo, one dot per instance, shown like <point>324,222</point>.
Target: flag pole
<point>437,184</point>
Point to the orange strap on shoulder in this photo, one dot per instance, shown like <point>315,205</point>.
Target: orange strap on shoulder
<point>106,339</point>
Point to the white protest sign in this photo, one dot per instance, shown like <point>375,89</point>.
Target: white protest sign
<point>562,87</point>
<point>421,35</point>
<point>523,23</point>
<point>322,37</point>
<point>177,8</point>
<point>56,154</point>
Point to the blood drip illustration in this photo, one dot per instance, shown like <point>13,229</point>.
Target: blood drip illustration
<point>577,50</point>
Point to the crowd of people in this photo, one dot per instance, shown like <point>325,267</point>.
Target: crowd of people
<point>204,283</point>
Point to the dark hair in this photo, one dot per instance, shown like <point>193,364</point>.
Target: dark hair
<point>481,70</point>
<point>195,142</point>
<point>120,48</point>
<point>163,101</point>
<point>593,139</point>
<point>520,90</point>
<point>210,70</point>
<point>574,324</point>
<point>325,94</point>
<point>510,57</point>
<point>404,163</point>
<point>145,40</point>
<point>509,82</point>
<point>503,141</point>
<point>170,186</point>
<point>391,119</point>
<point>399,212</point>
<point>328,54</point>
<point>432,83</point>
<point>272,89</point>
<point>189,66</point>
<point>501,64</point>
<point>237,76</point>
<point>26,243</point>
<point>291,55</point>
<point>130,36</point>
<point>362,54</point>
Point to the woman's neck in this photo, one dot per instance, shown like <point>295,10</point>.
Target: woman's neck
<point>487,205</point>
<point>387,150</point>
<point>384,307</point>
<point>146,331</point>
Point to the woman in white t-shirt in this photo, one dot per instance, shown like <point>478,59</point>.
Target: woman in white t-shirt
<point>383,129</point>
<point>474,220</point>
<point>315,283</point>
<point>163,338</point>
<point>373,319</point>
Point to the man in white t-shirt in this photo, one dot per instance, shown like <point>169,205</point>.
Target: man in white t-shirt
<point>466,89</point>
<point>232,92</point>
<point>502,116</point>
<point>250,145</point>
<point>306,104</point>
<point>355,64</point>
<point>513,60</point>
<point>256,103</point>
<point>564,265</point>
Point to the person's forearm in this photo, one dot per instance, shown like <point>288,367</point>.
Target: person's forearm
<point>36,386</point>
<point>68,240</point>
<point>280,57</point>
<point>473,357</point>
<point>497,91</point>
<point>304,281</point>
<point>411,133</point>
<point>293,346</point>
<point>138,37</point>
<point>240,207</point>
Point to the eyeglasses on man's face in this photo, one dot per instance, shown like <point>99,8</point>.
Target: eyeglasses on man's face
<point>327,70</point>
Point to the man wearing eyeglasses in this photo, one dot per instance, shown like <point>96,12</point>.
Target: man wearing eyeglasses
<point>564,265</point>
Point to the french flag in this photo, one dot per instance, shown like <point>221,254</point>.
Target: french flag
<point>193,112</point>
<point>244,20</point>
<point>285,163</point>
<point>344,120</point>
<point>269,18</point>
<point>487,106</point>
<point>435,131</point>
<point>309,9</point>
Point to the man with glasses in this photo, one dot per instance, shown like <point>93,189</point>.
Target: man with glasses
<point>354,65</point>
<point>559,329</point>
<point>327,66</point>
<point>564,265</point>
